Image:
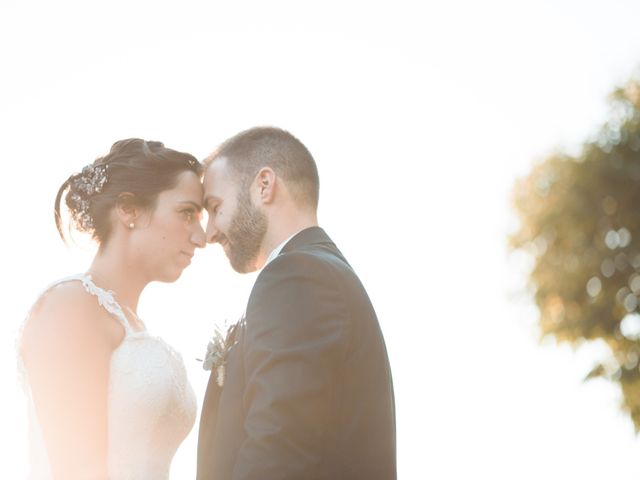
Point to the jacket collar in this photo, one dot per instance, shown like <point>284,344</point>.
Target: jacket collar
<point>308,236</point>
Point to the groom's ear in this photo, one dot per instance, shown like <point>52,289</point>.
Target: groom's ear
<point>265,185</point>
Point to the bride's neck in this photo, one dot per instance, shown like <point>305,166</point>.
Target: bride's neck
<point>111,271</point>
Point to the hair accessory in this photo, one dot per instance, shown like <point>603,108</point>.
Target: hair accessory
<point>92,179</point>
<point>86,184</point>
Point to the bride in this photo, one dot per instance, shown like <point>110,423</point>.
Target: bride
<point>107,399</point>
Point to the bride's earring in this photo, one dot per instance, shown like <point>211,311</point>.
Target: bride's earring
<point>132,226</point>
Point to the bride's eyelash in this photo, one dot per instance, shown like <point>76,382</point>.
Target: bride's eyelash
<point>190,213</point>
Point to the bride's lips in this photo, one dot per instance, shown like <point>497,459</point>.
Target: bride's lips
<point>189,255</point>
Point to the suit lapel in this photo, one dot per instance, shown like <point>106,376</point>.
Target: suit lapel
<point>208,417</point>
<point>210,406</point>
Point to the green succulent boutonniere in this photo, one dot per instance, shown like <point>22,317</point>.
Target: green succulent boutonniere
<point>218,349</point>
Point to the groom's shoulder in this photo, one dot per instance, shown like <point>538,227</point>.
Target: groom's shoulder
<point>306,261</point>
<point>297,266</point>
<point>293,281</point>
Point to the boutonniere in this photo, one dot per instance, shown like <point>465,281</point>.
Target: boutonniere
<point>218,350</point>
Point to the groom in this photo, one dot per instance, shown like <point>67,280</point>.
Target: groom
<point>307,392</point>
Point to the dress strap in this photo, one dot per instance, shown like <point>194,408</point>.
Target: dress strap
<point>107,301</point>
<point>105,297</point>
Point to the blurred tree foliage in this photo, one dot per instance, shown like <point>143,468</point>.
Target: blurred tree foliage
<point>580,219</point>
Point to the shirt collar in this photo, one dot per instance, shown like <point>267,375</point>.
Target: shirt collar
<point>276,251</point>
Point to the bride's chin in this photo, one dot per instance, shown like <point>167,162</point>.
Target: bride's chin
<point>170,277</point>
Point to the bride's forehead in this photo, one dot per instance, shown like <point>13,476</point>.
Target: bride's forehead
<point>187,188</point>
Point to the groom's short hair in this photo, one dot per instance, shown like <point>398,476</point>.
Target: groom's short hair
<point>249,151</point>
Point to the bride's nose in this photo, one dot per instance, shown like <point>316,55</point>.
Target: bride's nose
<point>198,236</point>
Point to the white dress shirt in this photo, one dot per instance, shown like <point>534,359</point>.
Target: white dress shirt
<point>276,251</point>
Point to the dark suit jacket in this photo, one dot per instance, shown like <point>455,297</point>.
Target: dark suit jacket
<point>308,391</point>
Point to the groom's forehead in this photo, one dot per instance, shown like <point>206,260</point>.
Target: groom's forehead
<point>217,173</point>
<point>217,179</point>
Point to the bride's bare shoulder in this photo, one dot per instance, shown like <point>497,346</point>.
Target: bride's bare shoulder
<point>62,299</point>
<point>67,315</point>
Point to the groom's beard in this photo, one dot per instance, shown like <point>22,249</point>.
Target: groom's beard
<point>246,233</point>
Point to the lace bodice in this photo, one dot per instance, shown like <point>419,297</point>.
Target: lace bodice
<point>151,405</point>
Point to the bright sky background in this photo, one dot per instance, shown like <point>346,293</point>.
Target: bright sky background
<point>420,116</point>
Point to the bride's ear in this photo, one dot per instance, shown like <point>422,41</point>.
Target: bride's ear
<point>128,209</point>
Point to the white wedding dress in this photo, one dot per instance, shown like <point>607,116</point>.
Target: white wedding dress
<point>151,405</point>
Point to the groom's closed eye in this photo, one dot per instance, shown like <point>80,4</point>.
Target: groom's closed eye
<point>211,201</point>
<point>212,207</point>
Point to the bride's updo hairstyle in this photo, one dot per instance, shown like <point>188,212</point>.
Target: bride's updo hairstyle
<point>133,173</point>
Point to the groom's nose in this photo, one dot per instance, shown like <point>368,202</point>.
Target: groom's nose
<point>212,233</point>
